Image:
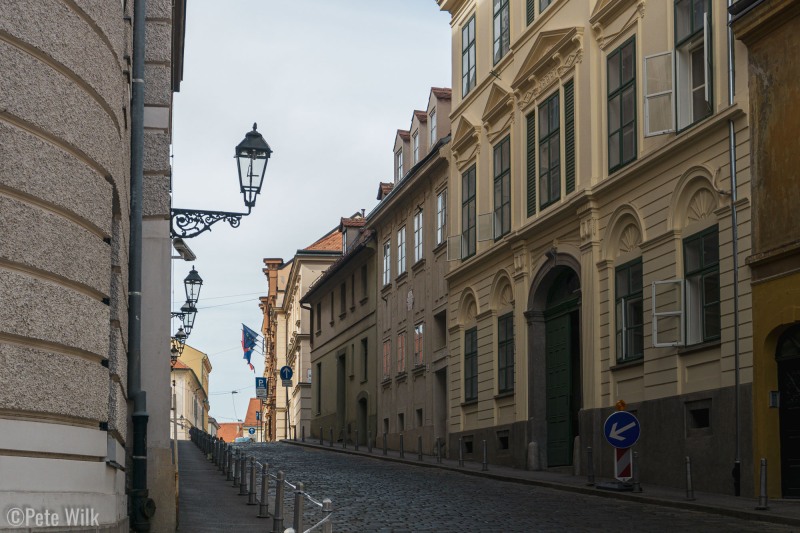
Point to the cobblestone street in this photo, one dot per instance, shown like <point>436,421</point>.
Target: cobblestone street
<point>371,495</point>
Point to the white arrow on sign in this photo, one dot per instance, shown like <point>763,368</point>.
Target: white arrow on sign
<point>615,433</point>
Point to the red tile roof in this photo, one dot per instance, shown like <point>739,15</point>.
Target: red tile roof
<point>384,189</point>
<point>442,93</point>
<point>180,365</point>
<point>250,417</point>
<point>331,242</point>
<point>229,430</point>
<point>352,222</point>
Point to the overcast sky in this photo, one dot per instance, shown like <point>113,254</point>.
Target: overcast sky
<point>328,82</point>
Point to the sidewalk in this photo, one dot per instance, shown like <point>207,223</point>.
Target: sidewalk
<point>208,503</point>
<point>780,511</point>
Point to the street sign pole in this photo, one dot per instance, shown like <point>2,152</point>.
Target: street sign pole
<point>621,430</point>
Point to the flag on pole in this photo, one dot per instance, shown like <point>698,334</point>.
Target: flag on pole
<point>249,340</point>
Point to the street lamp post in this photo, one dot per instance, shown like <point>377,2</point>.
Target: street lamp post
<point>252,155</point>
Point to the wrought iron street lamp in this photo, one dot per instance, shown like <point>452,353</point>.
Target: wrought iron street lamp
<point>252,155</point>
<point>179,340</point>
<point>192,284</point>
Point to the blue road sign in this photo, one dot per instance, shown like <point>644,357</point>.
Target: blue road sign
<point>622,429</point>
<point>261,383</point>
<point>252,431</point>
<point>286,373</point>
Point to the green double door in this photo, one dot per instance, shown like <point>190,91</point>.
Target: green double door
<point>563,382</point>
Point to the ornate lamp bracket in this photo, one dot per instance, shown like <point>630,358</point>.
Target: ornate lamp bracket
<point>187,223</point>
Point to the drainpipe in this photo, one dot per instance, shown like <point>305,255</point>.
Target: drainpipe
<point>737,465</point>
<point>142,507</point>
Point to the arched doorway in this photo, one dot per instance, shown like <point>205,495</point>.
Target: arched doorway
<point>554,359</point>
<point>788,359</point>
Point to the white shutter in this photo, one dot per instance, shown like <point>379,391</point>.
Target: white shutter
<point>670,313</point>
<point>659,94</point>
<point>454,248</point>
<point>485,227</point>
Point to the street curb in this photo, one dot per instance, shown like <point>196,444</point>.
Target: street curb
<point>755,516</point>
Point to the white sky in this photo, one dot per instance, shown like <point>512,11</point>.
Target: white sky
<point>328,82</point>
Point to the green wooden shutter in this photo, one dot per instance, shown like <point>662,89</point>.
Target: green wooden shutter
<point>529,7</point>
<point>531,169</point>
<point>569,134</point>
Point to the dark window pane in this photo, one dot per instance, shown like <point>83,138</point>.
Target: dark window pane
<point>628,104</point>
<point>711,288</point>
<point>711,321</point>
<point>628,143</point>
<point>613,72</point>
<point>693,258</point>
<point>636,277</point>
<point>710,249</point>
<point>627,63</point>
<point>614,114</point>
<point>697,14</point>
<point>613,150</point>
<point>622,288</point>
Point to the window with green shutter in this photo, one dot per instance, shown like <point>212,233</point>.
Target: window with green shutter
<point>549,152</point>
<point>622,105</point>
<point>569,136</point>
<point>531,168</point>
<point>530,7</point>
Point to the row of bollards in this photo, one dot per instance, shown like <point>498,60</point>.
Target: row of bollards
<point>242,471</point>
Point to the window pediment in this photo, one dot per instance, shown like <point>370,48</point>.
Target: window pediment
<point>466,135</point>
<point>607,16</point>
<point>497,105</point>
<point>550,51</point>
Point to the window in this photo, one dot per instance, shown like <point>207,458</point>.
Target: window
<point>543,4</point>
<point>505,353</point>
<point>441,216</point>
<point>692,60</point>
<point>549,152</point>
<point>502,188</point>
<point>529,11</point>
<point>530,168</point>
<point>401,250</point>
<point>502,39</point>
<point>387,262</point>
<point>419,358</point>
<point>343,299</point>
<point>352,291</point>
<point>468,75</point>
<point>319,316</point>
<point>629,312</point>
<point>387,358</point>
<point>364,360</point>
<point>701,272</point>
<point>364,282</point>
<point>471,364</point>
<point>622,105</point>
<point>332,298</point>
<point>318,381</point>
<point>432,122</point>
<point>398,161</point>
<point>401,353</point>
<point>468,214</point>
<point>418,236</point>
<point>415,145</point>
<point>678,83</point>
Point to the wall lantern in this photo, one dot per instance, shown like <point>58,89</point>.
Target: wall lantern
<point>252,155</point>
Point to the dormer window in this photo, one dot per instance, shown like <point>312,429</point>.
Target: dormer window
<point>398,161</point>
<point>415,144</point>
<point>432,121</point>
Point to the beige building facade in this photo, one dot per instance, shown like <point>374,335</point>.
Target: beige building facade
<point>65,196</point>
<point>343,345</point>
<point>592,238</point>
<point>411,228</point>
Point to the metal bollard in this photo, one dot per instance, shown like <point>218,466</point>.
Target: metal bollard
<point>344,439</point>
<point>297,523</point>
<point>356,440</point>
<point>438,450</point>
<point>243,476</point>
<point>235,469</point>
<point>331,433</point>
<point>384,443</point>
<point>485,465</point>
<point>763,504</point>
<point>228,462</point>
<point>637,486</point>
<point>589,466</point>
<point>402,451</point>
<point>251,492</point>
<point>689,488</point>
<point>369,441</point>
<point>460,451</point>
<point>419,447</point>
<point>327,508</point>
<point>277,518</point>
<point>263,504</point>
<point>303,434</point>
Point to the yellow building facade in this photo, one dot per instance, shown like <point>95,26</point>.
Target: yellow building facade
<point>591,242</point>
